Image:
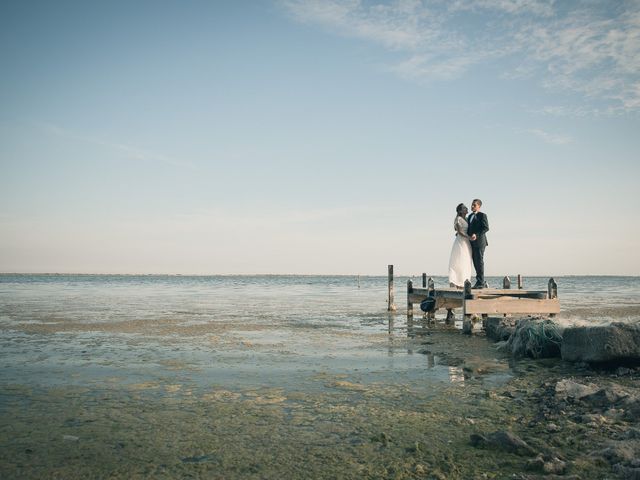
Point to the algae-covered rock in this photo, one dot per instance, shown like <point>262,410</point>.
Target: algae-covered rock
<point>500,328</point>
<point>502,440</point>
<point>568,388</point>
<point>603,343</point>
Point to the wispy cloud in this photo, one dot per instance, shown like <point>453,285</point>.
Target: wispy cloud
<point>548,137</point>
<point>127,151</point>
<point>589,48</point>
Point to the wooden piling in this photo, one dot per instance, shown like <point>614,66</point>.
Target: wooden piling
<point>552,290</point>
<point>519,282</point>
<point>506,283</point>
<point>409,302</point>
<point>391,305</point>
<point>467,323</point>
<point>431,288</point>
<point>424,280</point>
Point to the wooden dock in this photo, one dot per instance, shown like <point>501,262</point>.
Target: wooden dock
<point>482,302</point>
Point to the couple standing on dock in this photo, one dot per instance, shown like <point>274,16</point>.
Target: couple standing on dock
<point>469,245</point>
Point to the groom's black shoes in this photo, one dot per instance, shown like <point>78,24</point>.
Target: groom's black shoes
<point>478,286</point>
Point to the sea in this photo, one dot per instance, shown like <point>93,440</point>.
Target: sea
<point>234,376</point>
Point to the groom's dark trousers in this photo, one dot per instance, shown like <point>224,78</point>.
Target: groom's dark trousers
<point>478,225</point>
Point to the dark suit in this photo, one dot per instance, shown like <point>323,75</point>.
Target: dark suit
<point>478,226</point>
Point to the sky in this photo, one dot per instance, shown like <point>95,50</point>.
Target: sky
<point>318,137</point>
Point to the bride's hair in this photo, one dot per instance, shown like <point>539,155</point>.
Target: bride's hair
<point>459,208</point>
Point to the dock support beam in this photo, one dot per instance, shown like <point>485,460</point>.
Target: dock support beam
<point>409,302</point>
<point>431,288</point>
<point>391,306</point>
<point>552,290</point>
<point>467,322</point>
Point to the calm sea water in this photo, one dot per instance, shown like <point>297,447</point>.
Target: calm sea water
<point>238,329</point>
<point>135,370</point>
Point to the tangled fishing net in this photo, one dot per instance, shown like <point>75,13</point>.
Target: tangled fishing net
<point>534,337</point>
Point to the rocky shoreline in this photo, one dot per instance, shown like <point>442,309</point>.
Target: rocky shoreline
<point>583,419</point>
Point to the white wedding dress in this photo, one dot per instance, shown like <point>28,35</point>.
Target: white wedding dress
<point>460,262</point>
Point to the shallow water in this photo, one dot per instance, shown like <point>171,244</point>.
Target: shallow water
<point>245,377</point>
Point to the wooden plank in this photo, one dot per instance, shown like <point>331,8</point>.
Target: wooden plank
<point>515,294</point>
<point>440,302</point>
<point>482,291</point>
<point>512,305</point>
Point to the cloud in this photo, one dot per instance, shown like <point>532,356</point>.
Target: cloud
<point>552,138</point>
<point>588,48</point>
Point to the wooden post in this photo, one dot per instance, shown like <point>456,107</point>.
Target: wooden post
<point>506,284</point>
<point>467,323</point>
<point>424,280</point>
<point>431,286</point>
<point>409,302</point>
<point>467,289</point>
<point>391,305</point>
<point>519,282</point>
<point>552,289</point>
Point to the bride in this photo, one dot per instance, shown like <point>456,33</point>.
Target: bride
<point>460,261</point>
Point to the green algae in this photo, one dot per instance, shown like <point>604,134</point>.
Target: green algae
<point>348,431</point>
<point>334,424</point>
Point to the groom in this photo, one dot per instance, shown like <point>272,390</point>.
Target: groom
<point>478,227</point>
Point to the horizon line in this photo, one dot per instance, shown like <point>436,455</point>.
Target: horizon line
<point>418,275</point>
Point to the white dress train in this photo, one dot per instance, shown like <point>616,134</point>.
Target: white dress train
<point>460,262</point>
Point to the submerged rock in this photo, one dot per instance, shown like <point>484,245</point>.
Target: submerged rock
<point>605,343</point>
<point>570,389</point>
<point>500,328</point>
<point>502,440</point>
<point>547,464</point>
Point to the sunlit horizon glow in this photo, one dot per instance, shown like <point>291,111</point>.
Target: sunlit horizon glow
<point>318,137</point>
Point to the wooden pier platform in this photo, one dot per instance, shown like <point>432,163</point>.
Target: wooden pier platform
<point>482,302</point>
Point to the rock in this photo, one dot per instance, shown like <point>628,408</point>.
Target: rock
<point>569,389</point>
<point>628,473</point>
<point>607,343</point>
<point>499,328</point>
<point>502,440</point>
<point>604,397</point>
<point>547,464</point>
<point>591,420</point>
<point>620,452</point>
<point>631,408</point>
<point>632,434</point>
<point>553,428</point>
<point>622,371</point>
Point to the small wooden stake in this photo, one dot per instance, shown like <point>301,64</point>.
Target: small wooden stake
<point>519,282</point>
<point>409,302</point>
<point>424,280</point>
<point>506,283</point>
